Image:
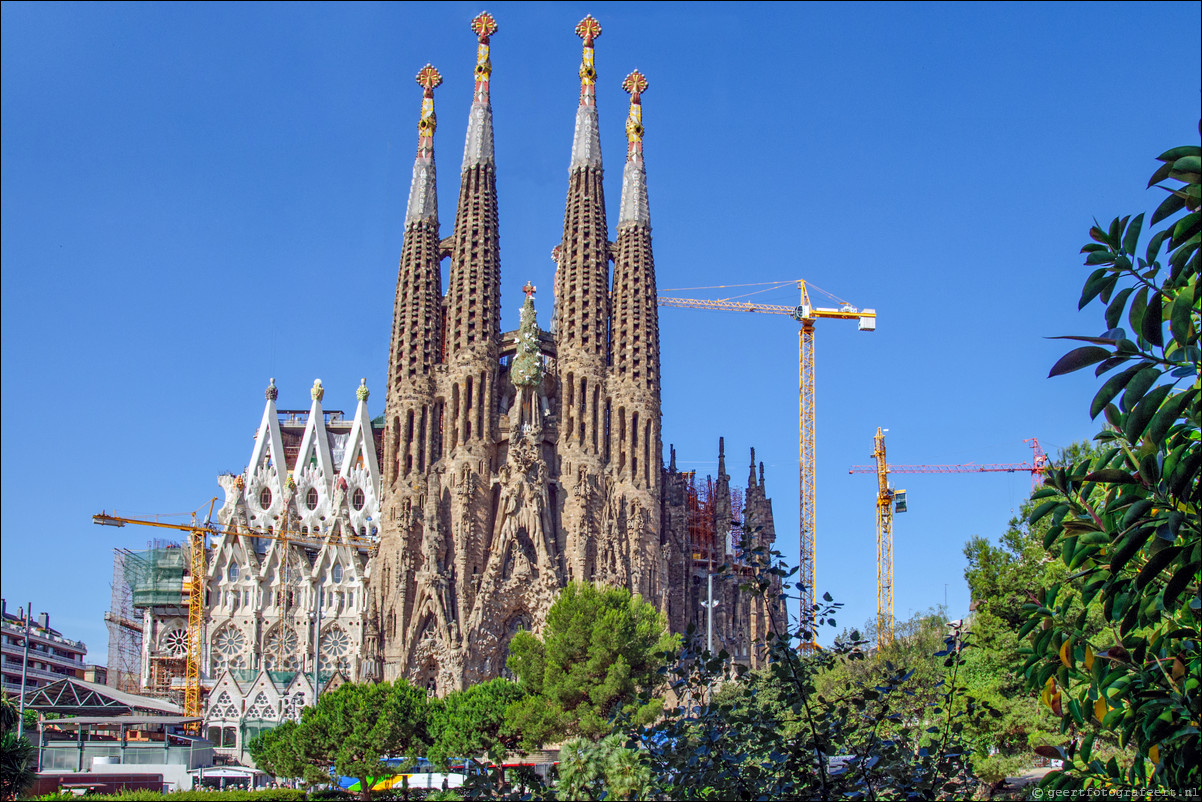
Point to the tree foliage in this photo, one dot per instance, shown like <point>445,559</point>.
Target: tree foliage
<point>16,754</point>
<point>468,723</point>
<point>349,732</point>
<point>869,739</point>
<point>601,646</point>
<point>1125,522</point>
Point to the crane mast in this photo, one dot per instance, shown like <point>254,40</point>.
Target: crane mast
<point>806,315</point>
<point>884,544</point>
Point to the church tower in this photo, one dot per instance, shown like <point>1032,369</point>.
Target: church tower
<point>633,408</point>
<point>582,343</point>
<point>517,462</point>
<point>413,410</point>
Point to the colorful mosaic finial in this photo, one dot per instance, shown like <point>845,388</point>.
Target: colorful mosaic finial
<point>317,392</point>
<point>529,289</point>
<point>635,85</point>
<point>272,393</point>
<point>588,29</point>
<point>361,392</point>
<point>427,78</point>
<point>484,26</point>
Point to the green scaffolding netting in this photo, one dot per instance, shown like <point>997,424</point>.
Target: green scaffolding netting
<point>156,576</point>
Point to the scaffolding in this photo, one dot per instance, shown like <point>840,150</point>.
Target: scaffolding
<point>141,580</point>
<point>124,625</point>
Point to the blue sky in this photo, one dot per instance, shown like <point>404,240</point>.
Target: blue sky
<point>197,197</point>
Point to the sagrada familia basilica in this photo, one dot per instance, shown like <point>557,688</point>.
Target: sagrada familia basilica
<point>505,465</point>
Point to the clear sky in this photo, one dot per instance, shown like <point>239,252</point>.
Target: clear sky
<point>197,197</point>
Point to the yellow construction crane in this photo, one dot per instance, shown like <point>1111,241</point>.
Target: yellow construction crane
<point>886,500</point>
<point>806,314</point>
<point>198,545</point>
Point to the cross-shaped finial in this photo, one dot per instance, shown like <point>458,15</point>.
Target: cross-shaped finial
<point>484,25</point>
<point>588,29</point>
<point>428,78</point>
<point>635,83</point>
<point>529,289</point>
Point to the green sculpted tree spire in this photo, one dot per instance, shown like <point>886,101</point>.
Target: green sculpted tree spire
<point>527,367</point>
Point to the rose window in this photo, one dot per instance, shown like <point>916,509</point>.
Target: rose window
<point>279,650</point>
<point>228,646</point>
<point>175,642</point>
<point>336,649</point>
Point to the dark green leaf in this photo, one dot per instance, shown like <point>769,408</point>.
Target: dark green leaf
<point>1111,388</point>
<point>1127,549</point>
<point>1131,238</point>
<point>1139,418</point>
<point>1183,306</point>
<point>1139,384</point>
<point>1179,152</point>
<point>1153,322</point>
<point>1154,565</point>
<point>1169,412</point>
<point>1135,315</point>
<point>1154,245</point>
<point>1077,359</point>
<point>1097,280</point>
<point>1136,511</point>
<point>1111,476</point>
<point>1161,173</point>
<point>1170,206</point>
<point>1179,582</point>
<point>1114,312</point>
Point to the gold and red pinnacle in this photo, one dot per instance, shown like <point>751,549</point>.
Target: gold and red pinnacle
<point>428,78</point>
<point>484,25</point>
<point>635,85</point>
<point>588,29</point>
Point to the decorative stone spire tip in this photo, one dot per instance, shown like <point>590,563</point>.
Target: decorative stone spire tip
<point>635,85</point>
<point>484,26</point>
<point>588,29</point>
<point>272,392</point>
<point>317,392</point>
<point>361,392</point>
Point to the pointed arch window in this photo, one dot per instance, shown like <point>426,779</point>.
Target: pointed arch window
<point>336,573</point>
<point>231,573</point>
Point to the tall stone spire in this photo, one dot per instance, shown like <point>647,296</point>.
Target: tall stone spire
<point>417,310</point>
<point>413,411</point>
<point>636,451</point>
<point>634,371</point>
<point>473,296</point>
<point>582,333</point>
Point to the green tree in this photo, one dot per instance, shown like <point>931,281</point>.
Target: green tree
<point>601,646</point>
<point>1125,522</point>
<point>276,752</point>
<point>468,723</point>
<point>870,741</point>
<point>349,732</point>
<point>607,769</point>
<point>16,754</point>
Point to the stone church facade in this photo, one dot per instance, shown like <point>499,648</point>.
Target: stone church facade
<point>515,462</point>
<point>505,465</point>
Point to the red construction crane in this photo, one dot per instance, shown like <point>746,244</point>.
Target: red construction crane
<point>889,500</point>
<point>1036,467</point>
